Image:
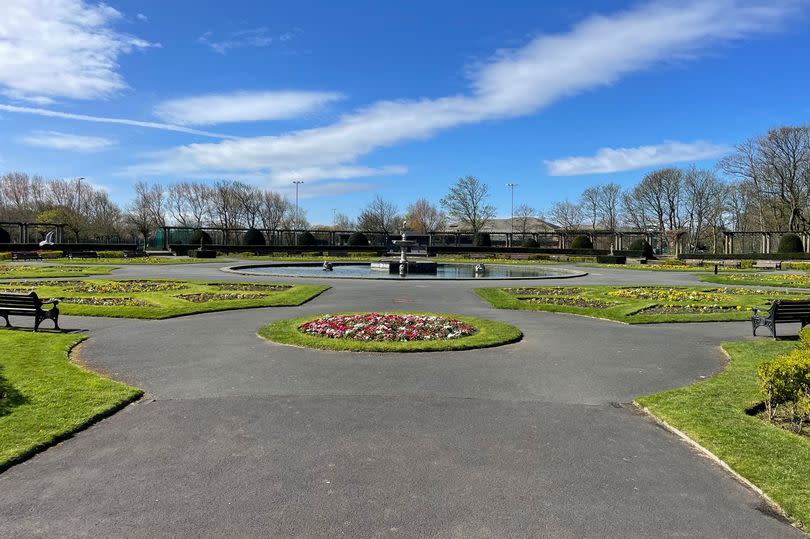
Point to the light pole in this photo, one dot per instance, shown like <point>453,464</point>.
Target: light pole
<point>512,218</point>
<point>295,222</point>
<point>334,217</point>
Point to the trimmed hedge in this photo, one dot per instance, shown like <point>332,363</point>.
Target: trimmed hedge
<point>200,236</point>
<point>746,256</point>
<point>482,239</point>
<point>253,237</point>
<point>306,238</point>
<point>356,239</point>
<point>582,242</point>
<point>611,259</point>
<point>5,237</point>
<point>529,243</point>
<point>643,246</point>
<point>790,243</point>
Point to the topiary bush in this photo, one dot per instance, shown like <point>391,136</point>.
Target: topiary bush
<point>357,239</point>
<point>482,239</point>
<point>582,242</point>
<point>5,237</point>
<point>200,236</point>
<point>785,385</point>
<point>529,243</point>
<point>306,238</point>
<point>643,246</point>
<point>790,243</point>
<point>253,237</point>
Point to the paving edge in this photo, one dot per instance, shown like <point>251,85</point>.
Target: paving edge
<point>722,464</point>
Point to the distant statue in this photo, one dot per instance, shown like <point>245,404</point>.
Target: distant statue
<point>404,228</point>
<point>327,266</point>
<point>48,239</point>
<point>480,268</point>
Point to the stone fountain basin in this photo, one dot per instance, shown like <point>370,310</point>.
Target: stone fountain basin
<point>414,266</point>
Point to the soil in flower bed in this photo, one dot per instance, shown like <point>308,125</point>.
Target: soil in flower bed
<point>205,297</point>
<point>108,302</point>
<point>387,327</point>
<point>568,302</point>
<point>255,287</point>
<point>687,309</point>
<point>550,291</point>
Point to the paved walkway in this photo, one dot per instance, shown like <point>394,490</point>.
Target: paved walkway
<point>241,437</point>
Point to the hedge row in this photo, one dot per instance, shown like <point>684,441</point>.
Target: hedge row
<point>746,256</point>
<point>785,385</point>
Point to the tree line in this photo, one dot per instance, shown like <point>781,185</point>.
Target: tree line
<point>763,184</point>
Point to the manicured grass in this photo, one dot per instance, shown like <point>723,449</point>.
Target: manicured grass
<point>796,279</point>
<point>713,413</point>
<point>145,260</point>
<point>17,271</point>
<point>44,397</point>
<point>490,333</point>
<point>160,298</point>
<point>638,304</point>
<point>664,267</point>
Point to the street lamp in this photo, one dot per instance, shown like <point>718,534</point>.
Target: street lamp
<point>295,222</point>
<point>512,218</point>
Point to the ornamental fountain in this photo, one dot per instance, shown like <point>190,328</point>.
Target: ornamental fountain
<point>403,245</point>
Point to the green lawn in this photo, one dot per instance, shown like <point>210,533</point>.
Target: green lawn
<point>160,298</point>
<point>44,397</point>
<point>713,413</point>
<point>148,260</point>
<point>490,333</point>
<point>796,279</point>
<point>638,304</point>
<point>17,271</point>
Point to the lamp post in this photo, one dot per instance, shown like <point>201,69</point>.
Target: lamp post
<point>295,221</point>
<point>512,218</point>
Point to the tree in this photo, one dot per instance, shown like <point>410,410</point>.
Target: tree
<point>273,210</point>
<point>589,202</point>
<point>467,203</point>
<point>609,198</point>
<point>523,218</point>
<point>146,210</point>
<point>379,216</point>
<point>424,217</point>
<point>566,215</point>
<point>342,222</point>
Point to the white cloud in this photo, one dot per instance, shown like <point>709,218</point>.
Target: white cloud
<point>105,120</point>
<point>314,174</point>
<point>61,48</point>
<point>242,106</point>
<point>141,17</point>
<point>607,160</point>
<point>596,52</point>
<point>251,37</point>
<point>67,141</point>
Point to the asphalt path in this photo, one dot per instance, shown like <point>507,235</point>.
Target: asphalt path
<point>239,437</point>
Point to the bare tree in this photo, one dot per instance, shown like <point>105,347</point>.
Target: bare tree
<point>566,215</point>
<point>342,221</point>
<point>589,201</point>
<point>467,203</point>
<point>379,216</point>
<point>609,201</point>
<point>523,218</point>
<point>146,210</point>
<point>424,217</point>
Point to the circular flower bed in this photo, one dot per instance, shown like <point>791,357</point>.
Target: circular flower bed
<point>387,327</point>
<point>391,332</point>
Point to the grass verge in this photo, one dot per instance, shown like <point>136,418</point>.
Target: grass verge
<point>490,333</point>
<point>15,271</point>
<point>638,304</point>
<point>146,260</point>
<point>44,398</point>
<point>713,413</point>
<point>159,298</point>
<point>796,279</point>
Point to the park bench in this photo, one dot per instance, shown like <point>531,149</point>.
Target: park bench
<point>28,305</point>
<point>518,256</point>
<point>83,254</point>
<point>767,264</point>
<point>25,255</point>
<point>725,263</point>
<point>782,310</point>
<point>135,254</point>
<point>693,262</point>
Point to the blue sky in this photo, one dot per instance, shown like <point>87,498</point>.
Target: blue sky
<point>398,99</point>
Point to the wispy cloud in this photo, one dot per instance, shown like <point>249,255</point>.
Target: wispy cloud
<point>596,52</point>
<point>313,174</point>
<point>607,160</point>
<point>57,140</point>
<point>101,119</point>
<point>214,109</point>
<point>251,37</point>
<point>61,49</point>
<point>141,17</point>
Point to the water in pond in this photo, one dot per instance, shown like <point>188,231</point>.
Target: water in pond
<point>443,271</point>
